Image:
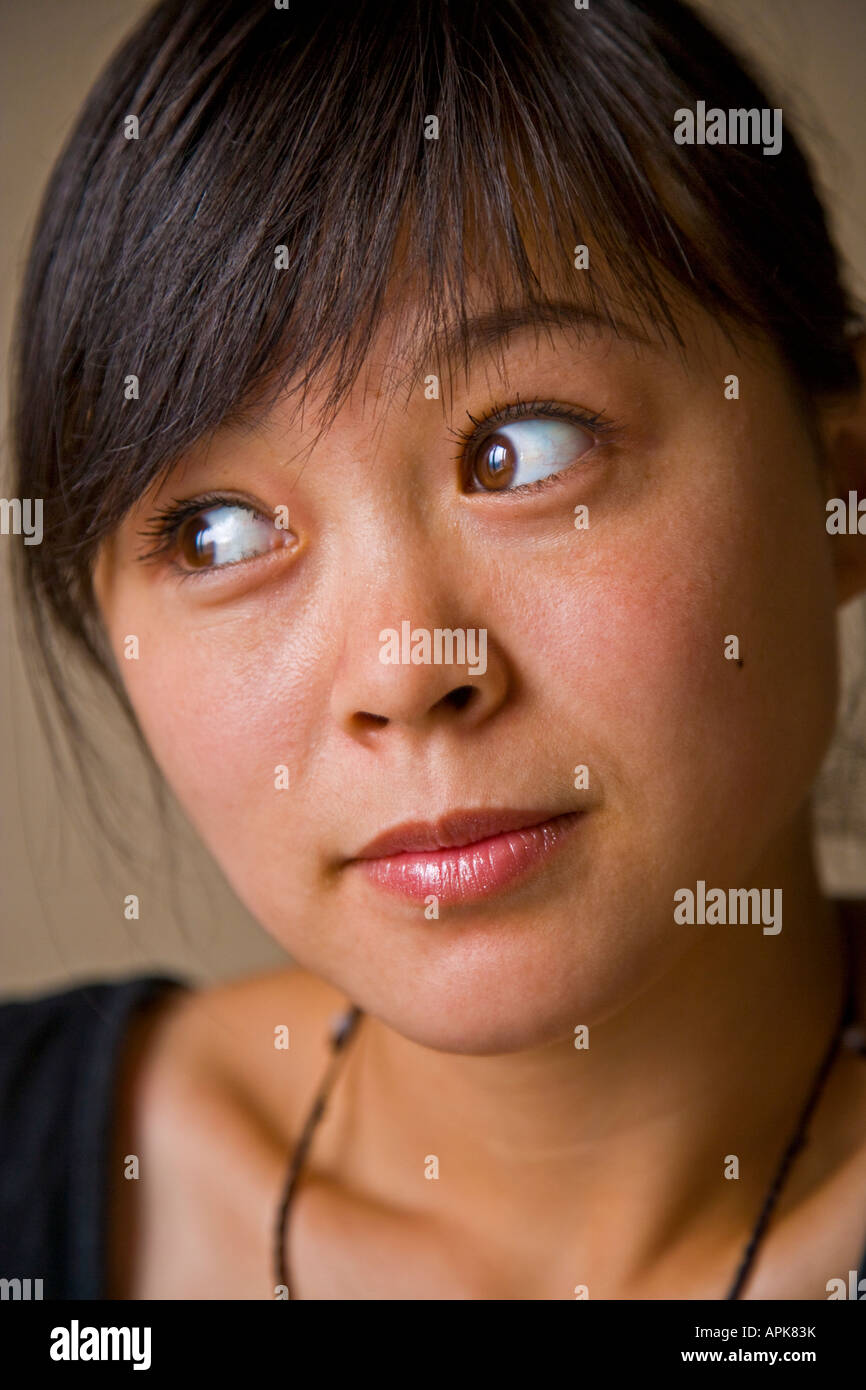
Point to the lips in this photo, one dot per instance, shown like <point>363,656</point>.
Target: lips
<point>464,855</point>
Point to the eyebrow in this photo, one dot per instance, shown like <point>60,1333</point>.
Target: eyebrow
<point>494,326</point>
<point>481,332</point>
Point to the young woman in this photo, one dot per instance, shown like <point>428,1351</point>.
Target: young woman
<point>435,426</point>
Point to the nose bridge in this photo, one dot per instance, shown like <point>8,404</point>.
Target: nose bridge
<point>389,561</point>
<point>405,578</point>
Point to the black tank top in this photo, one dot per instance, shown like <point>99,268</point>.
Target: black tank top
<point>58,1058</point>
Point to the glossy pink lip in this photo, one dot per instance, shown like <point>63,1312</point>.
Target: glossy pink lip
<point>463,856</point>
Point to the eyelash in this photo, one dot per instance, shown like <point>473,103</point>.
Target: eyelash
<point>166,522</point>
<point>594,422</point>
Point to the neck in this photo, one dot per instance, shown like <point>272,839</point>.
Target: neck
<point>715,1058</point>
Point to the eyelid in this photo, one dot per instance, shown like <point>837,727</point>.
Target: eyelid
<point>166,522</point>
<point>597,423</point>
<point>499,414</point>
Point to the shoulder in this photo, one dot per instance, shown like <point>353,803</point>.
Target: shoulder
<point>211,1097</point>
<point>59,1049</point>
<point>262,1039</point>
<point>101,999</point>
<point>69,1034</point>
<point>256,1043</point>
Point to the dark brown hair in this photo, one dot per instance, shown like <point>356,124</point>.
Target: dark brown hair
<point>305,128</point>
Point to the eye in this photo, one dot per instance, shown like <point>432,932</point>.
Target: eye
<point>213,533</point>
<point>225,535</point>
<point>505,453</point>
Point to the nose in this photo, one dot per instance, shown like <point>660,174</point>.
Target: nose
<point>413,669</point>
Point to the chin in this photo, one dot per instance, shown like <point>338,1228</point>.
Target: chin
<point>498,1001</point>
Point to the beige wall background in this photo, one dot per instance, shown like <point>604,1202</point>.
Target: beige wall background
<point>62,887</point>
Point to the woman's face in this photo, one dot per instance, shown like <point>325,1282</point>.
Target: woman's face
<point>605,648</point>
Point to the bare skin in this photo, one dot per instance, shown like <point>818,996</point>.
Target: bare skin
<point>558,1168</point>
<point>213,1118</point>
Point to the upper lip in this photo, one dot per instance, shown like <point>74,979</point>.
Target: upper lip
<point>456,828</point>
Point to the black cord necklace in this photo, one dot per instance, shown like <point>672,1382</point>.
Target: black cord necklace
<point>345,1029</point>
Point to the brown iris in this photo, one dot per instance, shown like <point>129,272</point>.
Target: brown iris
<point>226,534</point>
<point>196,540</point>
<point>498,463</point>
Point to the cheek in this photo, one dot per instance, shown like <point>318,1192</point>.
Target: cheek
<point>708,756</point>
<point>223,711</point>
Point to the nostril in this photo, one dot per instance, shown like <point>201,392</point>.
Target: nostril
<point>362,717</point>
<point>460,697</point>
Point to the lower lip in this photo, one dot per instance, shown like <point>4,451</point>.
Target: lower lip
<point>465,873</point>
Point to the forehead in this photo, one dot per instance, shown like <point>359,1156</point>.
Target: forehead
<point>499,326</point>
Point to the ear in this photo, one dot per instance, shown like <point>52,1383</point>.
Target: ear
<point>842,427</point>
